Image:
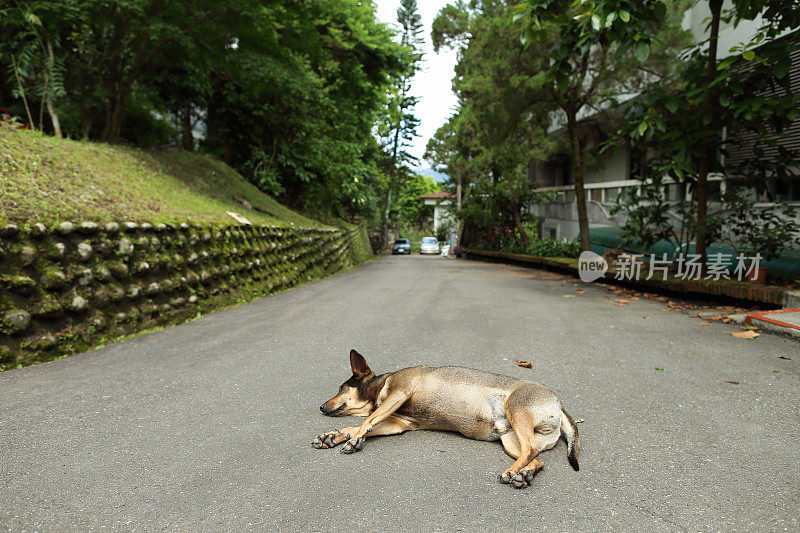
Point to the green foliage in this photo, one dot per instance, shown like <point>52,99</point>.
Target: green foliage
<point>679,120</point>
<point>751,230</point>
<point>535,247</point>
<point>287,92</point>
<point>397,123</point>
<point>501,122</point>
<point>142,127</point>
<point>409,207</point>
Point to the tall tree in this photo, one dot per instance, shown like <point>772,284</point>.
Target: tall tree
<point>500,126</point>
<point>747,96</point>
<point>399,124</point>
<point>591,47</point>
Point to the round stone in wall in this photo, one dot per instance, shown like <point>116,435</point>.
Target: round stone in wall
<point>125,246</point>
<point>84,251</point>
<point>88,227</point>
<point>53,279</point>
<point>65,228</point>
<point>18,320</point>
<point>78,304</point>
<point>38,229</point>
<point>27,255</point>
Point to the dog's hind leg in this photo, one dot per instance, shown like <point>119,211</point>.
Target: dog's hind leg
<point>510,444</point>
<point>523,424</point>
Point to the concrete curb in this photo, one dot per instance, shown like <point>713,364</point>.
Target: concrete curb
<point>761,294</point>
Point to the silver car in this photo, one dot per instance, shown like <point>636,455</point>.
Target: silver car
<point>429,245</point>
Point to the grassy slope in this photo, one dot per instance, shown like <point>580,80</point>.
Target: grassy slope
<point>44,179</point>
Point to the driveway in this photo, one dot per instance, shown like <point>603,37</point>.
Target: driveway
<point>208,425</point>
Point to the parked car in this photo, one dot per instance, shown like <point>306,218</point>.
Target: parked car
<point>429,245</point>
<point>401,246</point>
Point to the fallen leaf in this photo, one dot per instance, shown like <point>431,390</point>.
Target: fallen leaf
<point>745,334</point>
<point>732,382</point>
<point>579,421</point>
<point>621,301</point>
<point>569,296</point>
<point>726,320</point>
<point>524,364</point>
<point>647,317</point>
<point>619,305</point>
<point>696,316</point>
<point>706,324</point>
<point>776,371</point>
<point>715,317</point>
<point>658,368</point>
<point>784,357</point>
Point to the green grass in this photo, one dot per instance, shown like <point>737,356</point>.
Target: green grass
<point>48,180</point>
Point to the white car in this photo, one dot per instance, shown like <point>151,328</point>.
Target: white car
<point>429,245</point>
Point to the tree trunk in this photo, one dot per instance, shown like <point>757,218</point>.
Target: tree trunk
<point>704,164</point>
<point>459,221</point>
<point>386,214</point>
<point>54,118</point>
<point>187,140</point>
<point>51,60</point>
<point>577,173</point>
<point>113,128</point>
<point>86,127</point>
<point>22,92</point>
<point>520,228</point>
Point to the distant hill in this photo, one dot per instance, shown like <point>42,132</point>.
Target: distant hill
<point>438,177</point>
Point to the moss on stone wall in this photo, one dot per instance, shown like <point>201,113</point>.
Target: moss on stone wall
<point>67,288</point>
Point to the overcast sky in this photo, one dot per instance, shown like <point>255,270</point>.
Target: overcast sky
<point>432,84</point>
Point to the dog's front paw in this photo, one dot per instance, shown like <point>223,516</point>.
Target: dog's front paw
<point>324,441</point>
<point>353,445</point>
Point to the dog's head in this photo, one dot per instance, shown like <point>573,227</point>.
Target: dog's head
<point>352,398</point>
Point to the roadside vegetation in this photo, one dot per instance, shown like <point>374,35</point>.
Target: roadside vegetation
<point>288,94</point>
<point>529,76</point>
<point>46,179</point>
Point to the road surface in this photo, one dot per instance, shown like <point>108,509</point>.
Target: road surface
<point>208,425</point>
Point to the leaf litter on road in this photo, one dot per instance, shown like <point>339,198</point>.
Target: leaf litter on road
<point>745,334</point>
<point>524,364</point>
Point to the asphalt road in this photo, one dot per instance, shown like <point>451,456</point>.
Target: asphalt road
<point>208,425</point>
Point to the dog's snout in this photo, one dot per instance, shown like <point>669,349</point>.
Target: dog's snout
<point>322,407</point>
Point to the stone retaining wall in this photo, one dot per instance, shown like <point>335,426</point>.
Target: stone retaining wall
<point>68,288</point>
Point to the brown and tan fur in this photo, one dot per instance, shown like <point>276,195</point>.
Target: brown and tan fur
<point>525,416</point>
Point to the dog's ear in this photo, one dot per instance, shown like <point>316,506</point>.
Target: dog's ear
<point>359,365</point>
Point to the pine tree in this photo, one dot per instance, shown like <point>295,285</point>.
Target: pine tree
<point>400,124</point>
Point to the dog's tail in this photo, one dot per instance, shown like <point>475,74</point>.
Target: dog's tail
<point>570,431</point>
